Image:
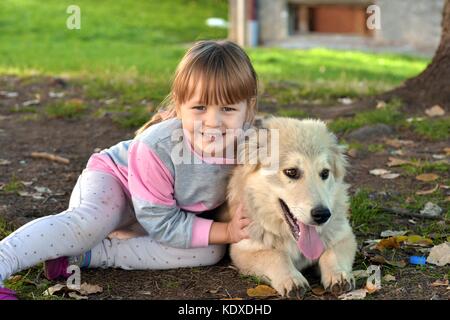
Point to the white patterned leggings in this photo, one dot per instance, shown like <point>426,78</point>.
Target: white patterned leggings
<point>100,217</point>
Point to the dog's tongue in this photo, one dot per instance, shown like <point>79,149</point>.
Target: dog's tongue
<point>309,242</point>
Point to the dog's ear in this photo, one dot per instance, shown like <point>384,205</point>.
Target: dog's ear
<point>339,160</point>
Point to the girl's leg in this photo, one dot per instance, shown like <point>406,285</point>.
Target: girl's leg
<point>144,253</point>
<point>98,205</point>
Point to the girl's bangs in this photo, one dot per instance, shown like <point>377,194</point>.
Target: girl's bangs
<point>216,88</point>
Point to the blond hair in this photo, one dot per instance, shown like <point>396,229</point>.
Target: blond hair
<point>225,72</point>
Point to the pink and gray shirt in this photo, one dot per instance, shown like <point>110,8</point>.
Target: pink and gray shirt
<point>167,195</point>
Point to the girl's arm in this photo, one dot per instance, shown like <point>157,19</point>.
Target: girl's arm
<point>151,181</point>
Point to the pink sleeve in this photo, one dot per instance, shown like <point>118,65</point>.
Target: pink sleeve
<point>200,232</point>
<point>148,177</point>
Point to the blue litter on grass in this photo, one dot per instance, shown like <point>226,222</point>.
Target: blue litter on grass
<point>417,260</point>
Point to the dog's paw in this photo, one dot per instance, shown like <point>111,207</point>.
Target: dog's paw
<point>338,282</point>
<point>291,285</point>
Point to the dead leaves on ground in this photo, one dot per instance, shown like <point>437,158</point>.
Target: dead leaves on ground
<point>397,241</point>
<point>79,293</point>
<point>440,254</point>
<point>262,291</point>
<point>427,177</point>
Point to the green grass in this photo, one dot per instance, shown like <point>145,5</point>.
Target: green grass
<point>390,115</point>
<point>129,50</point>
<point>252,278</point>
<point>433,129</point>
<point>30,285</point>
<point>364,211</point>
<point>5,228</point>
<point>69,109</point>
<point>375,147</point>
<point>292,113</point>
<point>13,185</point>
<point>425,167</point>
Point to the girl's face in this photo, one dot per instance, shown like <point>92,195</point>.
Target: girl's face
<point>212,129</point>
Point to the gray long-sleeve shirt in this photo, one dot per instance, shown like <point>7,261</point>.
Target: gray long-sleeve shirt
<point>166,193</point>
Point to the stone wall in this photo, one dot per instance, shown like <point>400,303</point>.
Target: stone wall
<point>413,22</point>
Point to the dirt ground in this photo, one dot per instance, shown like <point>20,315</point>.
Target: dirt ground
<point>77,140</point>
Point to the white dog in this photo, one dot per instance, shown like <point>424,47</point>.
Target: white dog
<point>298,207</point>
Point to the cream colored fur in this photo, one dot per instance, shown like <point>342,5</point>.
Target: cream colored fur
<point>271,252</point>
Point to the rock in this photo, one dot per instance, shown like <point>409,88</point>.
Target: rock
<point>431,210</point>
<point>371,131</point>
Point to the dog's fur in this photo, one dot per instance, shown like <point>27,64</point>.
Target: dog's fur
<point>271,252</point>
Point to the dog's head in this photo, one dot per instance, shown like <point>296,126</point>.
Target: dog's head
<point>297,173</point>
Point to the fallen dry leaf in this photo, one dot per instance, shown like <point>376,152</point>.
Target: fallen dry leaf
<point>390,175</point>
<point>396,143</point>
<point>4,162</point>
<point>430,191</point>
<point>447,150</point>
<point>414,240</point>
<point>382,260</point>
<point>440,254</point>
<point>395,162</point>
<point>380,104</point>
<point>262,291</point>
<point>54,289</point>
<point>427,177</point>
<point>352,153</point>
<point>318,291</point>
<point>379,172</point>
<point>388,243</point>
<point>435,111</point>
<point>372,287</point>
<point>86,289</point>
<point>389,278</point>
<point>76,296</point>
<point>439,283</point>
<point>354,295</point>
<point>390,233</point>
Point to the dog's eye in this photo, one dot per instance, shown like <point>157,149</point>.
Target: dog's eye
<point>324,174</point>
<point>292,173</point>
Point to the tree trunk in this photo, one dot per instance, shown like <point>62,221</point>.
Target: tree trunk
<point>432,86</point>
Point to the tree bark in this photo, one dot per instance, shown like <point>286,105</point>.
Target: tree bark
<point>432,86</point>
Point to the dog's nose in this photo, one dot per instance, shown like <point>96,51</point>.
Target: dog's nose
<point>320,214</point>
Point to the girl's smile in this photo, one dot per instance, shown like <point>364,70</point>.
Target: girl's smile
<point>211,128</point>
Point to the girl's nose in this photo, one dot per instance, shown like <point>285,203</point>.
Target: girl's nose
<point>213,119</point>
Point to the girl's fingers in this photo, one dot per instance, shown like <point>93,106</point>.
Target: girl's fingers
<point>244,222</point>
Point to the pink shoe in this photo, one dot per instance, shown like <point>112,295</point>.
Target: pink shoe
<point>56,268</point>
<point>7,294</point>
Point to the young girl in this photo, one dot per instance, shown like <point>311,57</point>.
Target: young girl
<point>213,95</point>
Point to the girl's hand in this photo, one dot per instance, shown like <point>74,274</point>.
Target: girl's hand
<point>236,228</point>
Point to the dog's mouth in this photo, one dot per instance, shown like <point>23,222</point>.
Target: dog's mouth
<point>306,236</point>
<point>290,219</point>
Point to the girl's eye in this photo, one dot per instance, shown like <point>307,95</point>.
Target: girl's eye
<point>228,109</point>
<point>201,108</point>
